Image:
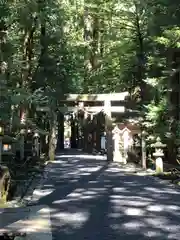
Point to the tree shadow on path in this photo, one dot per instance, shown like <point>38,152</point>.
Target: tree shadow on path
<point>90,199</point>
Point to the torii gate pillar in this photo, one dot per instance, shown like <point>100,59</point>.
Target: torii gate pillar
<point>108,127</point>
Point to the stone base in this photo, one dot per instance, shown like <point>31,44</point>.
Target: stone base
<point>159,165</point>
<point>117,157</point>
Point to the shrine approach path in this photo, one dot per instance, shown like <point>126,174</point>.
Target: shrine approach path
<point>90,199</point>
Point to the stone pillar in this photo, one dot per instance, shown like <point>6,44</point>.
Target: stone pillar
<point>108,127</point>
<point>127,143</point>
<point>103,142</point>
<point>117,152</point>
<point>36,144</point>
<point>85,131</point>
<point>143,150</point>
<point>101,133</point>
<point>109,145</point>
<point>91,134</point>
<point>107,107</point>
<point>80,130</point>
<point>80,118</point>
<point>98,132</point>
<point>73,132</point>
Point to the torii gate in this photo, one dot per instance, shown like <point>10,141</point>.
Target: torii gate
<point>100,102</point>
<point>110,104</point>
<point>104,102</point>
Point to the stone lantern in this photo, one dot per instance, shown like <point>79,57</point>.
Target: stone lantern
<point>143,149</point>
<point>158,154</point>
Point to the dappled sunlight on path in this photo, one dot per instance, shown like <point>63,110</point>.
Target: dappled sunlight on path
<point>91,199</point>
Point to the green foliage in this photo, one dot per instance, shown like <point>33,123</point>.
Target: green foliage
<point>56,47</point>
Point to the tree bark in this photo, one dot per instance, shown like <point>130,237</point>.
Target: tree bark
<point>60,143</point>
<point>140,59</point>
<point>26,83</point>
<point>52,136</point>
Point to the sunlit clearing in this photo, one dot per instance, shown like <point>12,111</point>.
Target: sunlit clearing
<point>74,194</point>
<point>157,222</point>
<point>99,189</point>
<point>174,236</point>
<point>116,199</point>
<point>80,190</point>
<point>156,208</point>
<point>39,193</point>
<point>85,194</point>
<point>90,192</point>
<point>152,234</point>
<point>58,161</point>
<point>87,197</point>
<point>171,191</point>
<point>134,225</point>
<point>173,207</point>
<point>61,201</point>
<point>119,189</point>
<point>134,212</point>
<point>113,170</point>
<point>83,157</point>
<point>48,185</point>
<point>46,211</point>
<point>79,194</point>
<point>164,223</point>
<point>135,198</point>
<point>73,219</point>
<point>43,192</point>
<point>90,169</point>
<point>85,174</point>
<point>158,190</point>
<point>93,182</point>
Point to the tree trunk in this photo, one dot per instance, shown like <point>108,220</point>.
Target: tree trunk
<point>174,101</point>
<point>4,100</point>
<point>141,60</point>
<point>43,46</point>
<point>52,136</point>
<point>73,133</point>
<point>60,143</point>
<point>26,83</point>
<point>95,49</point>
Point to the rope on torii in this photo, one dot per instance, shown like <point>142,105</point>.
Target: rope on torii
<point>91,113</point>
<point>82,108</point>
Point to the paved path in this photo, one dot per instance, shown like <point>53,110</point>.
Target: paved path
<point>89,199</point>
<point>34,221</point>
